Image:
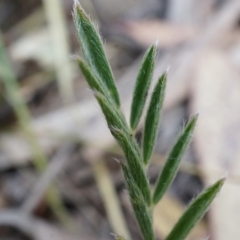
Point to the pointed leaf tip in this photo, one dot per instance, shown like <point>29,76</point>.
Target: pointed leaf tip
<point>195,212</point>
<point>78,10</point>
<point>93,51</point>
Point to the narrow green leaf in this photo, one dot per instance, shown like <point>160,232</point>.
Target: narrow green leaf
<point>195,212</point>
<point>171,166</point>
<point>132,154</point>
<point>113,116</point>
<point>139,206</point>
<point>142,86</point>
<point>93,82</point>
<point>152,118</point>
<point>93,50</point>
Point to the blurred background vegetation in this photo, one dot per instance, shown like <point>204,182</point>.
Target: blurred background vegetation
<point>58,176</point>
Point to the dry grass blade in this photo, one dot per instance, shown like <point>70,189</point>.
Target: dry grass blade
<point>110,198</point>
<point>61,49</point>
<point>24,118</point>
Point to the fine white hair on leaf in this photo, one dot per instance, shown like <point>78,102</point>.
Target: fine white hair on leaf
<point>168,69</point>
<point>225,175</point>
<point>156,43</point>
<point>73,57</point>
<point>75,3</point>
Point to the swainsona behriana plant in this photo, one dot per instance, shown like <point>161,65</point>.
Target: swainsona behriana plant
<point>97,71</point>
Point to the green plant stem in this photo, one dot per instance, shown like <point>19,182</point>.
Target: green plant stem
<point>139,205</point>
<point>120,131</point>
